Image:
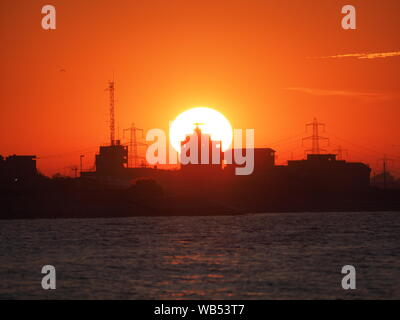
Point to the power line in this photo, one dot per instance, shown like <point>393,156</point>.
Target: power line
<point>84,151</point>
<point>285,141</point>
<point>366,149</point>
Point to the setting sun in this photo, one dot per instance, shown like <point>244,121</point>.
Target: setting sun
<point>211,122</point>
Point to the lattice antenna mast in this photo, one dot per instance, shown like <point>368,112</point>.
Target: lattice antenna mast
<point>111,89</point>
<point>315,138</point>
<point>133,144</point>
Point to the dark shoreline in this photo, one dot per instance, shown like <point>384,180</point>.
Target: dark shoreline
<point>171,215</point>
<point>150,200</point>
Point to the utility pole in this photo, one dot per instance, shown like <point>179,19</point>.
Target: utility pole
<point>133,144</point>
<point>81,162</point>
<point>315,138</point>
<point>385,160</point>
<point>74,169</point>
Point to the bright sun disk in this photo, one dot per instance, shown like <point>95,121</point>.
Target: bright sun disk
<point>212,122</point>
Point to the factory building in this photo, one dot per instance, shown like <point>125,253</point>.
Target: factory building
<point>264,161</point>
<point>112,160</point>
<point>112,166</point>
<point>324,171</point>
<point>200,155</point>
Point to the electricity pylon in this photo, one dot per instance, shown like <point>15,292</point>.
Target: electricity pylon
<point>340,152</point>
<point>133,144</point>
<point>315,137</point>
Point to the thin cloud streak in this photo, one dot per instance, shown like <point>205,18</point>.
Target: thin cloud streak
<point>342,93</point>
<point>364,55</point>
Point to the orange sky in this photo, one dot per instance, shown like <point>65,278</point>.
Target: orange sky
<point>256,61</point>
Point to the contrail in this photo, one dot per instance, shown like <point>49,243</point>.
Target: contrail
<point>364,55</point>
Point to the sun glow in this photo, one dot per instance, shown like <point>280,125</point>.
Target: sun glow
<point>211,122</point>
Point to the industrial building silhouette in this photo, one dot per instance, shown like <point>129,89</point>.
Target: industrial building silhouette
<point>318,171</point>
<point>208,184</point>
<point>319,183</point>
